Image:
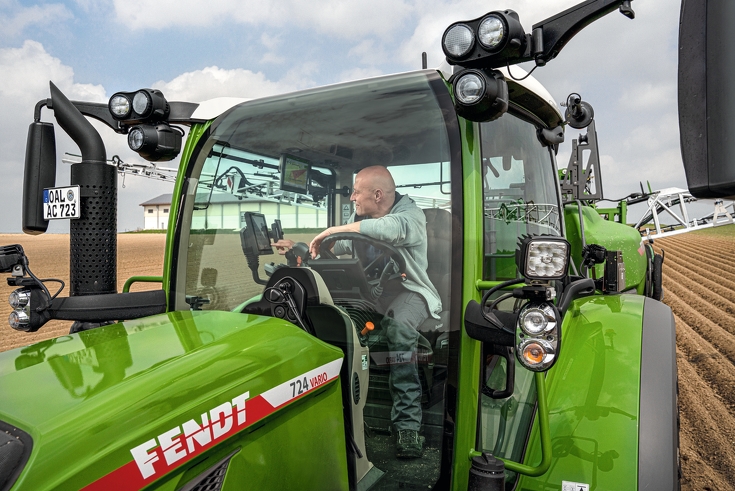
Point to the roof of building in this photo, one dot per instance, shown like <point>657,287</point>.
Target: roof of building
<point>164,199</point>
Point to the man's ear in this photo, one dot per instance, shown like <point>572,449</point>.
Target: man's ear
<point>378,195</point>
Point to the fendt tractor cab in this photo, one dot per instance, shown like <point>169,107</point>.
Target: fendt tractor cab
<point>549,365</point>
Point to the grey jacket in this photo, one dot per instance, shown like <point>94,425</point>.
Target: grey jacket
<point>405,228</point>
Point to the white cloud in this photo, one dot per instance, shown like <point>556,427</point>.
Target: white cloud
<point>359,73</point>
<point>646,96</point>
<point>271,42</point>
<point>211,82</point>
<point>335,17</point>
<point>14,18</point>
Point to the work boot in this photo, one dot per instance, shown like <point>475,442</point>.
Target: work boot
<point>409,444</point>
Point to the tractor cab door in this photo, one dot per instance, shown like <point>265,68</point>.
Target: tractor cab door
<point>520,197</point>
<point>284,167</point>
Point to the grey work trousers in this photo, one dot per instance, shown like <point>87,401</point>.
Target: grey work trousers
<point>405,312</point>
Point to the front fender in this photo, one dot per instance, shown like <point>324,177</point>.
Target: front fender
<point>612,398</point>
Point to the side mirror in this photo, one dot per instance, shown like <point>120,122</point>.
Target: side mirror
<point>40,173</point>
<point>707,97</point>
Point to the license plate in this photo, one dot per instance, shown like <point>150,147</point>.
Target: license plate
<point>61,203</point>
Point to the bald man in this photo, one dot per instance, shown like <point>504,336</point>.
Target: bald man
<point>384,214</point>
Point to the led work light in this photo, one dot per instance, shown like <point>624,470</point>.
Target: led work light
<point>543,258</point>
<point>20,301</point>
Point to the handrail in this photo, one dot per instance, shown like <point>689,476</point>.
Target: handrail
<point>545,434</point>
<point>141,279</point>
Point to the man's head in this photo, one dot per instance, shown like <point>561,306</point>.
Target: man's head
<point>374,192</point>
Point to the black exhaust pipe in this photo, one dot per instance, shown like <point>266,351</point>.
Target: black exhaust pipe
<point>93,236</point>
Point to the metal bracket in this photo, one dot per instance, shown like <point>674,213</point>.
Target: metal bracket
<point>580,180</point>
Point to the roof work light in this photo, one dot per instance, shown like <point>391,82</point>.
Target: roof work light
<point>486,41</point>
<point>145,113</point>
<point>144,105</point>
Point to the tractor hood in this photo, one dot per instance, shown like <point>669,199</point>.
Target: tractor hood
<point>151,375</point>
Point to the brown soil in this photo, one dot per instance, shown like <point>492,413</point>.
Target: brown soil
<point>48,256</point>
<point>699,284</point>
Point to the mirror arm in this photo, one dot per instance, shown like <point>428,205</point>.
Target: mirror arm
<point>551,35</point>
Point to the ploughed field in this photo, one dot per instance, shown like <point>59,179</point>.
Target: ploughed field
<point>699,284</point>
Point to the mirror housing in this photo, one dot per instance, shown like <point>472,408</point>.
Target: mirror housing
<point>39,173</point>
<point>707,96</point>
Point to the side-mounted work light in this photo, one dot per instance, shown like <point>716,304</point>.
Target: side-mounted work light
<point>540,259</point>
<point>543,257</point>
<point>480,95</point>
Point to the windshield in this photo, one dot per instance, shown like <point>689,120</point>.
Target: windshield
<point>287,167</point>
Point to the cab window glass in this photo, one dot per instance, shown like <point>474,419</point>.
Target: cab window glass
<point>519,187</point>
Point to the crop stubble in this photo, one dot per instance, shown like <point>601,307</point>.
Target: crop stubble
<point>699,285</point>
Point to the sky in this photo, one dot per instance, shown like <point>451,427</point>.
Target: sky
<point>194,51</point>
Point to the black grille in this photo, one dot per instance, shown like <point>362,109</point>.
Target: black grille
<point>356,388</point>
<point>93,261</point>
<point>211,480</point>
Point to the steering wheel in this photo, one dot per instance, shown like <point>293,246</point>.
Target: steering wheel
<point>387,251</point>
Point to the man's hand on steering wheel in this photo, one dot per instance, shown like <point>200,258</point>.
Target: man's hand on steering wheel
<point>316,242</point>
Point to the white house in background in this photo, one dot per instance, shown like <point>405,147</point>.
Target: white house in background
<point>155,212</point>
<point>225,211</point>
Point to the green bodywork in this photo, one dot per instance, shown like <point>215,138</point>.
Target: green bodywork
<point>108,390</point>
<point>593,397</point>
<point>611,235</point>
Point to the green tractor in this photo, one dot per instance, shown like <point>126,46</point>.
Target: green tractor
<point>550,363</point>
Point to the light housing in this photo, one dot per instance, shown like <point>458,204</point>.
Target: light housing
<point>480,95</point>
<point>497,39</point>
<point>543,258</point>
<point>144,105</point>
<point>537,344</point>
<point>157,143</point>
<point>20,300</point>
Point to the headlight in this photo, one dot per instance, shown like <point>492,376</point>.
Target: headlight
<point>470,88</point>
<point>491,31</point>
<point>136,138</point>
<point>543,258</point>
<point>18,320</point>
<point>480,95</point>
<point>537,320</point>
<point>19,298</point>
<point>119,106</point>
<point>538,336</point>
<point>141,103</point>
<point>155,143</point>
<point>458,40</point>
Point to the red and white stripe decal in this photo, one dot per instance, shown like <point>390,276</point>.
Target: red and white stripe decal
<point>130,476</point>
